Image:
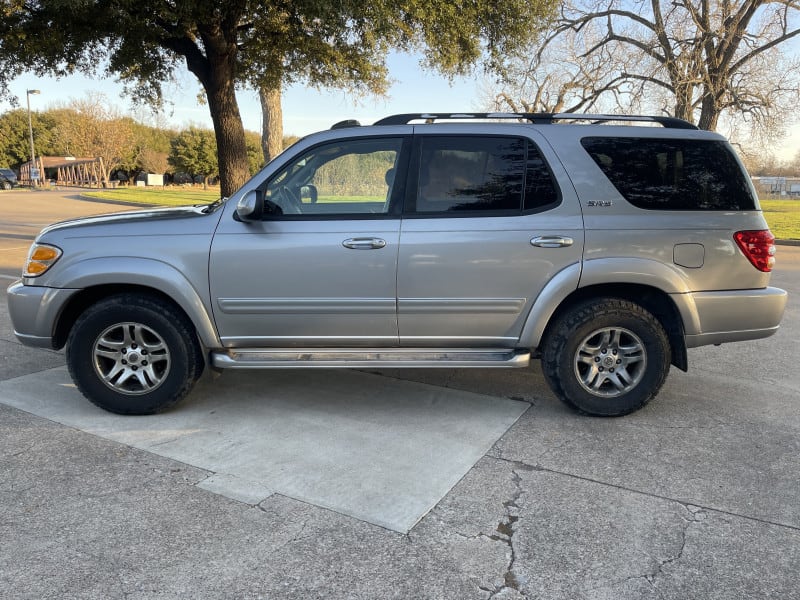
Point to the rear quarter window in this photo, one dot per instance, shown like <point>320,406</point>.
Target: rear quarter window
<point>673,174</point>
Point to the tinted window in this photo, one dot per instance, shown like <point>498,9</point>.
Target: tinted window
<point>672,174</point>
<point>487,174</point>
<point>352,177</point>
<point>540,189</point>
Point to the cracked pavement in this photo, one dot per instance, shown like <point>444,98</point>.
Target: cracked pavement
<point>695,496</point>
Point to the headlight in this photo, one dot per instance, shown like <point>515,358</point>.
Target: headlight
<point>40,258</point>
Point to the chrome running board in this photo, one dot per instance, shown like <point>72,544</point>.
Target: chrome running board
<point>369,358</point>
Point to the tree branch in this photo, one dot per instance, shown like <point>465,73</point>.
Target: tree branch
<point>745,59</point>
<point>581,21</point>
<point>649,79</point>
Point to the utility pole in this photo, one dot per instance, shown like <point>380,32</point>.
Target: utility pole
<point>34,171</point>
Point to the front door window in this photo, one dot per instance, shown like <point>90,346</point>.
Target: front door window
<point>351,177</point>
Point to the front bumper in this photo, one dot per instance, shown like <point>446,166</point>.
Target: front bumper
<point>34,312</point>
<point>731,316</point>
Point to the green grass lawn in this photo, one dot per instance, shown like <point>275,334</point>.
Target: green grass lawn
<point>783,216</point>
<point>151,196</point>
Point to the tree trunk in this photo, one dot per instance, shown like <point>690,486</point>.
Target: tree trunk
<point>229,132</point>
<point>217,72</point>
<point>272,121</point>
<point>709,112</point>
<point>683,101</point>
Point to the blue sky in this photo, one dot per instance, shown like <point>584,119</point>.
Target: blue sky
<point>305,110</point>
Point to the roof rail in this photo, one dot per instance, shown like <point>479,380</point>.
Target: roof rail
<point>535,118</point>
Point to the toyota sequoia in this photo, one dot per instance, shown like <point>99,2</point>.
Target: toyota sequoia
<point>604,245</point>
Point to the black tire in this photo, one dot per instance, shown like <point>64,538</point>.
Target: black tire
<point>606,357</point>
<point>5,185</point>
<point>147,350</point>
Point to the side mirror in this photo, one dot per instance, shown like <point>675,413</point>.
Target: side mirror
<point>250,207</point>
<point>309,192</point>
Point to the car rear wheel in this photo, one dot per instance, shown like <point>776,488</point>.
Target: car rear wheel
<point>133,355</point>
<point>5,185</point>
<point>606,357</point>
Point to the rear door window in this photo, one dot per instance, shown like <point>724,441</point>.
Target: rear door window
<point>673,174</point>
<point>483,175</point>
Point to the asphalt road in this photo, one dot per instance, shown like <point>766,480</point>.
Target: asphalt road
<point>695,496</point>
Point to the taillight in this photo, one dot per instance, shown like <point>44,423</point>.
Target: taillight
<point>758,247</point>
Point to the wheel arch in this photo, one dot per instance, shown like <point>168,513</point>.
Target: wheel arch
<point>651,284</point>
<point>148,277</point>
<point>656,301</point>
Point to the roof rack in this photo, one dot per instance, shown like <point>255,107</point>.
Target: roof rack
<point>345,124</point>
<point>535,118</point>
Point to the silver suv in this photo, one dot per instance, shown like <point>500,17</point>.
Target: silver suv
<point>604,245</point>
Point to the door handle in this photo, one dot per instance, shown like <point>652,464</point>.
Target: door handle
<point>364,243</point>
<point>552,241</point>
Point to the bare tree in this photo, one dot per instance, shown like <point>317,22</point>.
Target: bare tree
<point>699,60</point>
<point>710,57</point>
<point>559,78</point>
<point>152,161</point>
<point>97,129</point>
<point>794,164</point>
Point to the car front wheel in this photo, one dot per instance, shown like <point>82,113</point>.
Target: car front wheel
<point>606,357</point>
<point>133,354</point>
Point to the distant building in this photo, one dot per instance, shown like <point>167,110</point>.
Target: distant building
<point>777,186</point>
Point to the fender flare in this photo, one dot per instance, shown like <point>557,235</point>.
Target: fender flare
<point>563,283</point>
<point>655,274</point>
<point>608,272</point>
<point>143,272</point>
<point>639,271</point>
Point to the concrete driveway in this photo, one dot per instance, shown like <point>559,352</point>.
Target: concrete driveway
<point>695,496</point>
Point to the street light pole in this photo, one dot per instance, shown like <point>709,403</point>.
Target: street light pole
<point>30,130</point>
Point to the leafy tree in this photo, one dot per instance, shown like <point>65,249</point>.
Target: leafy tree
<point>344,44</point>
<point>152,146</point>
<point>194,151</point>
<point>289,140</point>
<point>15,146</point>
<point>69,131</point>
<point>157,138</point>
<point>14,143</point>
<point>262,45</point>
<point>255,155</point>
